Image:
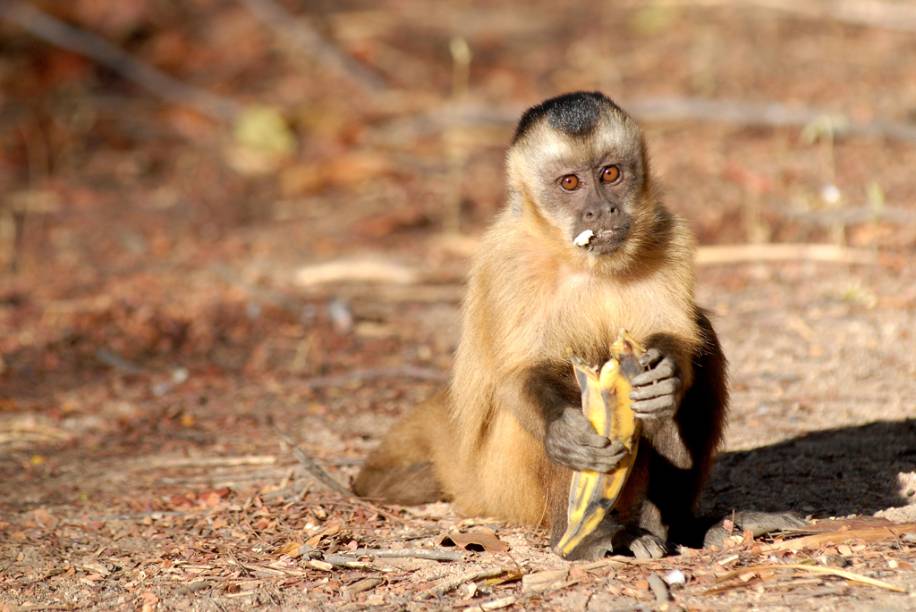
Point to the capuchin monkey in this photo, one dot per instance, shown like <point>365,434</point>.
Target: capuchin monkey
<point>583,249</point>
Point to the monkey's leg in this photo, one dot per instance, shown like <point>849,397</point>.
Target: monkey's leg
<point>681,448</point>
<point>400,470</point>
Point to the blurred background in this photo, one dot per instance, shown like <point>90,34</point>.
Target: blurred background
<point>223,217</point>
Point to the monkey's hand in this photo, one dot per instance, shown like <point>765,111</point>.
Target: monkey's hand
<point>572,441</point>
<point>655,391</point>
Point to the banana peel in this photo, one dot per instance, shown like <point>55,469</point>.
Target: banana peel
<point>606,405</point>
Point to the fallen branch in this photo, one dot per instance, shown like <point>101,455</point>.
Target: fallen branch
<point>183,462</point>
<point>118,362</point>
<point>659,109</point>
<point>348,562</point>
<point>899,16</point>
<point>316,471</point>
<point>370,374</point>
<point>768,114</point>
<point>866,534</point>
<point>814,569</point>
<point>360,586</point>
<point>300,35</point>
<point>361,270</point>
<point>409,553</point>
<point>54,31</point>
<point>760,253</point>
<point>853,216</point>
<point>448,585</point>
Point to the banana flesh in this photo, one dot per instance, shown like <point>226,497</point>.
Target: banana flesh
<point>606,404</point>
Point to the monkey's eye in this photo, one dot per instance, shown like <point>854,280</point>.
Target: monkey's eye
<point>610,174</point>
<point>569,182</point>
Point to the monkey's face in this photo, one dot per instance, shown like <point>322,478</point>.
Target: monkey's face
<point>588,184</point>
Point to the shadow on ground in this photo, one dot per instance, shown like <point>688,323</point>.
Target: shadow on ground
<point>837,472</point>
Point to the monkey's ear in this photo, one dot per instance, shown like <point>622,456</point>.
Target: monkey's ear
<point>644,158</point>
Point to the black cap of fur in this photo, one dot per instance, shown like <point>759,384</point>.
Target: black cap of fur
<point>574,113</point>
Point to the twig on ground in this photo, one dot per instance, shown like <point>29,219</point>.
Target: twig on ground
<point>738,112</point>
<point>495,604</point>
<point>316,471</point>
<point>450,584</point>
<point>853,216</point>
<point>814,569</point>
<point>547,580</point>
<point>370,374</point>
<point>769,114</point>
<point>322,476</point>
<point>299,34</point>
<point>866,534</point>
<point>349,562</point>
<point>182,462</point>
<point>659,589</point>
<point>760,253</point>
<point>899,16</point>
<point>132,516</point>
<point>51,29</point>
<point>410,553</point>
<point>365,584</point>
<point>116,361</point>
<point>359,270</point>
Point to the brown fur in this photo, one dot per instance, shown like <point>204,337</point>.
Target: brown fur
<point>533,300</point>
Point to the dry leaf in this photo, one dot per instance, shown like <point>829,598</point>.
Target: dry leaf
<point>150,601</point>
<point>291,549</point>
<point>478,540</point>
<point>540,582</point>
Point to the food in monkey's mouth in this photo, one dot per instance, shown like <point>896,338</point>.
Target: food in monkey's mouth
<point>606,404</point>
<point>584,237</point>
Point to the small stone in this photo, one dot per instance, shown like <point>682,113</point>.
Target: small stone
<point>675,576</point>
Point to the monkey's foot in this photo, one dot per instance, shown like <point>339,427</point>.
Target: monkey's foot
<point>642,544</point>
<point>758,523</point>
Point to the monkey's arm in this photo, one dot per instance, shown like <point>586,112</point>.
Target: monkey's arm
<point>543,402</point>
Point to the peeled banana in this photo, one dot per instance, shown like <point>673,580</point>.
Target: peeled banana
<point>606,404</point>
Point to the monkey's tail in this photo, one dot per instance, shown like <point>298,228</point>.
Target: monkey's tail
<point>401,470</point>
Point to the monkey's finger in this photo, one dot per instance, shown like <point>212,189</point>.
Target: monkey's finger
<point>595,460</point>
<point>667,386</point>
<point>655,408</point>
<point>581,431</point>
<point>650,357</point>
<point>665,369</point>
<point>647,547</point>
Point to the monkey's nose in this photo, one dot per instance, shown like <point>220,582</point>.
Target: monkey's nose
<point>593,213</point>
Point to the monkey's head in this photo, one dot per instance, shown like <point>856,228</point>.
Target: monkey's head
<point>578,166</point>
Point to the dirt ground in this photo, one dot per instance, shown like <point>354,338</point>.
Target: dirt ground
<point>183,308</point>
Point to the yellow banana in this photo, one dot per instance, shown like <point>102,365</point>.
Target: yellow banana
<point>606,404</point>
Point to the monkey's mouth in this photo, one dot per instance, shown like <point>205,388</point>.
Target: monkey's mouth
<point>606,241</point>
